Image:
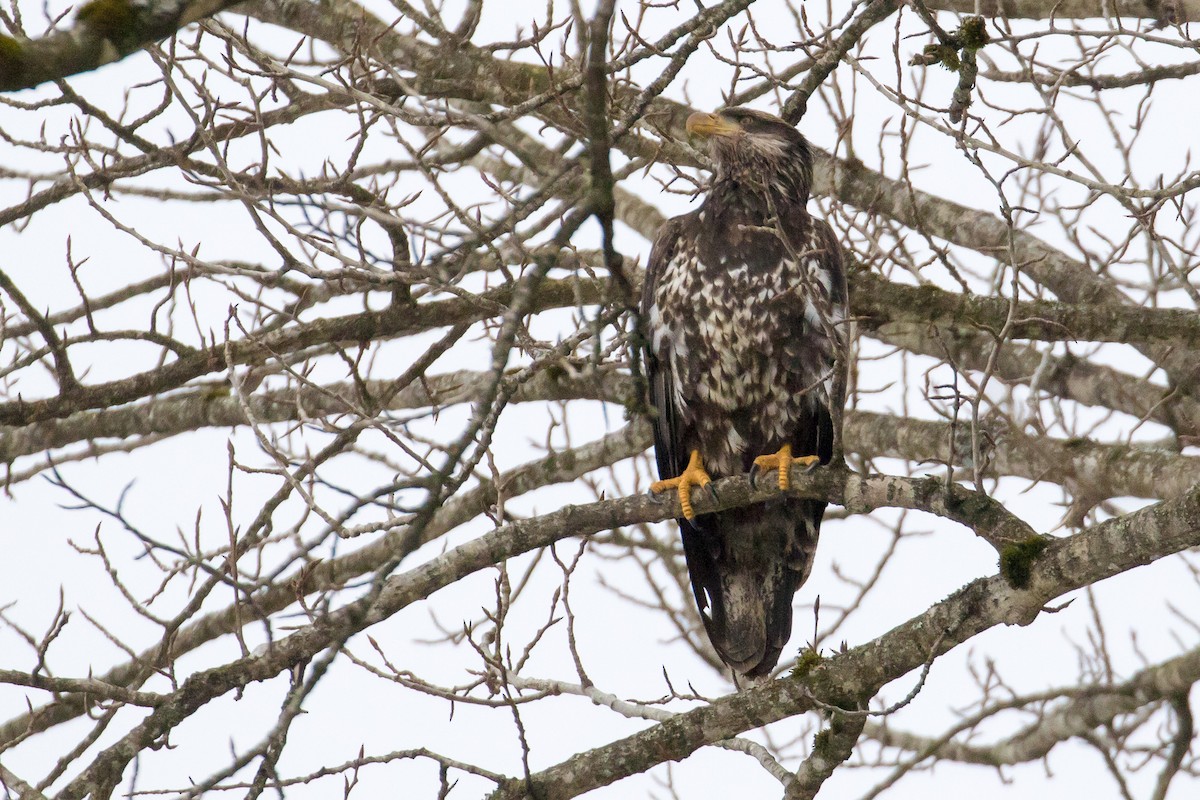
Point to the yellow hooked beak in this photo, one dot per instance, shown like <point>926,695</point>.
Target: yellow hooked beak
<point>705,125</point>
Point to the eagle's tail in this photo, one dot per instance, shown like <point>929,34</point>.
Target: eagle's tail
<point>746,565</point>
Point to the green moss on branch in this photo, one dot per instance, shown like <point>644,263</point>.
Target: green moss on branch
<point>115,20</point>
<point>1017,560</point>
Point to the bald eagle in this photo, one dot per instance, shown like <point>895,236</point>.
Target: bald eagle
<point>743,304</point>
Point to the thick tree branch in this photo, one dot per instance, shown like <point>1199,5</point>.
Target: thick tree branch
<point>104,31</point>
<point>1179,12</point>
<point>877,302</point>
<point>1098,471</point>
<point>831,748</point>
<point>1149,75</point>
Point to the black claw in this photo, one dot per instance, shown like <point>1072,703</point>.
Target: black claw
<point>754,477</point>
<point>712,491</point>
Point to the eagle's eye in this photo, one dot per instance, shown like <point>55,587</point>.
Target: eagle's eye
<point>752,124</point>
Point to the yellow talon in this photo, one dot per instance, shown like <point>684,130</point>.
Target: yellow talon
<point>693,475</point>
<point>783,462</point>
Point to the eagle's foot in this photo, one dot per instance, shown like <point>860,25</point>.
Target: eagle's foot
<point>783,462</point>
<point>692,475</point>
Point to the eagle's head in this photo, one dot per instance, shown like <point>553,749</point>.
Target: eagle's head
<point>755,147</point>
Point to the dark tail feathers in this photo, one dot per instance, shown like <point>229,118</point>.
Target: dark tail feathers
<point>746,565</point>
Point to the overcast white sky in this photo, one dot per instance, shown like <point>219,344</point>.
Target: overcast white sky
<point>626,649</point>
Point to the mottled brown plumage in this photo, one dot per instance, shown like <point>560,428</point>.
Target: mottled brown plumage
<point>744,301</point>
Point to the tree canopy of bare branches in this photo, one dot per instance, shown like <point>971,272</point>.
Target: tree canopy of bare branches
<point>323,431</point>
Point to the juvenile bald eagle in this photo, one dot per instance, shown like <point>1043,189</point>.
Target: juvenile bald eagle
<point>744,302</point>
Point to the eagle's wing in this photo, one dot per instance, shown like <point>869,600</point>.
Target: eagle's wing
<point>829,258</point>
<point>819,333</point>
<point>667,423</point>
<point>671,423</point>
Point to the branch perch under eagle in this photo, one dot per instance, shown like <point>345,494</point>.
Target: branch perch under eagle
<point>744,303</point>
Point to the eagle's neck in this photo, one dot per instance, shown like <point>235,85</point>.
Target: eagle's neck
<point>764,194</point>
<point>752,218</point>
